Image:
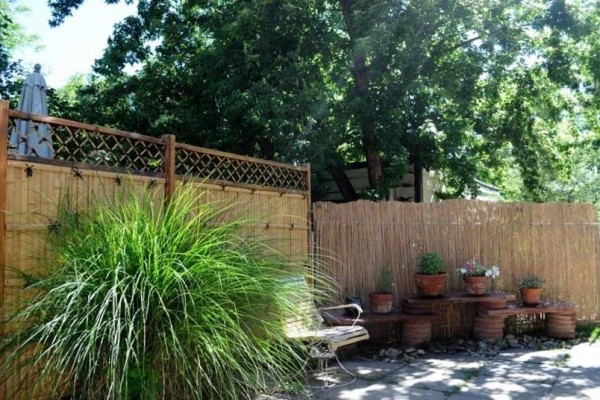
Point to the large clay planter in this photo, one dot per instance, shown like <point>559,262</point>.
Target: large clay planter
<point>430,285</point>
<point>475,285</point>
<point>416,333</point>
<point>488,327</point>
<point>561,326</point>
<point>531,296</point>
<point>381,303</point>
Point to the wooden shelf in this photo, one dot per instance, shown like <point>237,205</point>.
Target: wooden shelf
<point>461,297</point>
<point>338,317</point>
<point>561,308</point>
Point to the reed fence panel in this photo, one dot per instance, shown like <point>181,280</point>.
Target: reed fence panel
<point>34,191</point>
<point>558,241</point>
<point>280,219</point>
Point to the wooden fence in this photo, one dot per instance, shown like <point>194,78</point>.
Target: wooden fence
<point>558,241</point>
<point>91,162</point>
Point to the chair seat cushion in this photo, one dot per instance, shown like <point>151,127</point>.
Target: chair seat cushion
<point>334,337</point>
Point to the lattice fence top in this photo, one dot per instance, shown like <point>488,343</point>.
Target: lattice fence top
<point>224,167</point>
<point>89,144</point>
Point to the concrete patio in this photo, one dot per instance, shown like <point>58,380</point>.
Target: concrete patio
<point>514,374</point>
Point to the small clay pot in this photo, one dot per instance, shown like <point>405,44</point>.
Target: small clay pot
<point>531,296</point>
<point>381,303</point>
<point>430,285</point>
<point>475,285</point>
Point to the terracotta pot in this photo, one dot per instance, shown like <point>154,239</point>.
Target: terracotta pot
<point>381,303</point>
<point>475,285</point>
<point>531,296</point>
<point>430,285</point>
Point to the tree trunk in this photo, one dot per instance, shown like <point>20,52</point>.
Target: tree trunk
<point>418,173</point>
<point>343,183</point>
<point>361,90</point>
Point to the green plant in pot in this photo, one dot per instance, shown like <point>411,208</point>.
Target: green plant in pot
<point>431,277</point>
<point>382,300</point>
<point>531,289</point>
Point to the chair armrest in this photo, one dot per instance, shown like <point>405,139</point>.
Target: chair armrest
<point>355,306</point>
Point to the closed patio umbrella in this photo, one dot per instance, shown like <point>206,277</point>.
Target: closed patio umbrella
<point>27,138</point>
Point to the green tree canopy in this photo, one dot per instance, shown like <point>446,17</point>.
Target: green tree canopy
<point>11,36</point>
<point>470,88</point>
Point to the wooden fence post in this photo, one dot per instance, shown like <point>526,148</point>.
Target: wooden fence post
<point>311,231</point>
<point>3,161</point>
<point>170,144</point>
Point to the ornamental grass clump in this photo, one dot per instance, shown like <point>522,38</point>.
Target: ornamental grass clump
<point>150,302</point>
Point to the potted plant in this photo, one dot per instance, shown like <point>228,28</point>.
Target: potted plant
<point>475,276</point>
<point>382,300</point>
<point>431,278</point>
<point>531,289</point>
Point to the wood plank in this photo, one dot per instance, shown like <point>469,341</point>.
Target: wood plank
<point>309,218</point>
<point>338,317</point>
<point>234,156</point>
<point>169,169</point>
<point>81,125</point>
<point>262,225</point>
<point>541,309</point>
<point>40,165</point>
<point>461,297</point>
<point>4,112</point>
<point>27,227</point>
<point>83,166</point>
<point>236,186</point>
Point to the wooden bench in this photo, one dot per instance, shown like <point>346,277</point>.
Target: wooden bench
<point>492,309</point>
<point>560,318</point>
<point>461,297</point>
<point>491,327</point>
<point>416,328</point>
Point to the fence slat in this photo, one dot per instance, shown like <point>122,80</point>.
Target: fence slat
<point>170,162</point>
<point>3,165</point>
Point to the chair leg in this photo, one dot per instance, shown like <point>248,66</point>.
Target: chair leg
<point>324,369</point>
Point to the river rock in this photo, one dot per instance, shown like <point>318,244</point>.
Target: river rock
<point>393,353</point>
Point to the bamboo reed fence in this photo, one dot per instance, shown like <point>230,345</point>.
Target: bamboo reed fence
<point>92,162</point>
<point>558,241</point>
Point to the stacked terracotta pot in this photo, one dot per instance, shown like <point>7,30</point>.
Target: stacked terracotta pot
<point>489,327</point>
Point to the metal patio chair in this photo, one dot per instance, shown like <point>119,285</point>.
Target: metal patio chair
<point>308,327</point>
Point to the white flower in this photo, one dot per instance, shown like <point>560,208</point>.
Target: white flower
<point>462,270</point>
<point>493,272</point>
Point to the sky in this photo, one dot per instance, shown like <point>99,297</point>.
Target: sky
<point>72,47</point>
